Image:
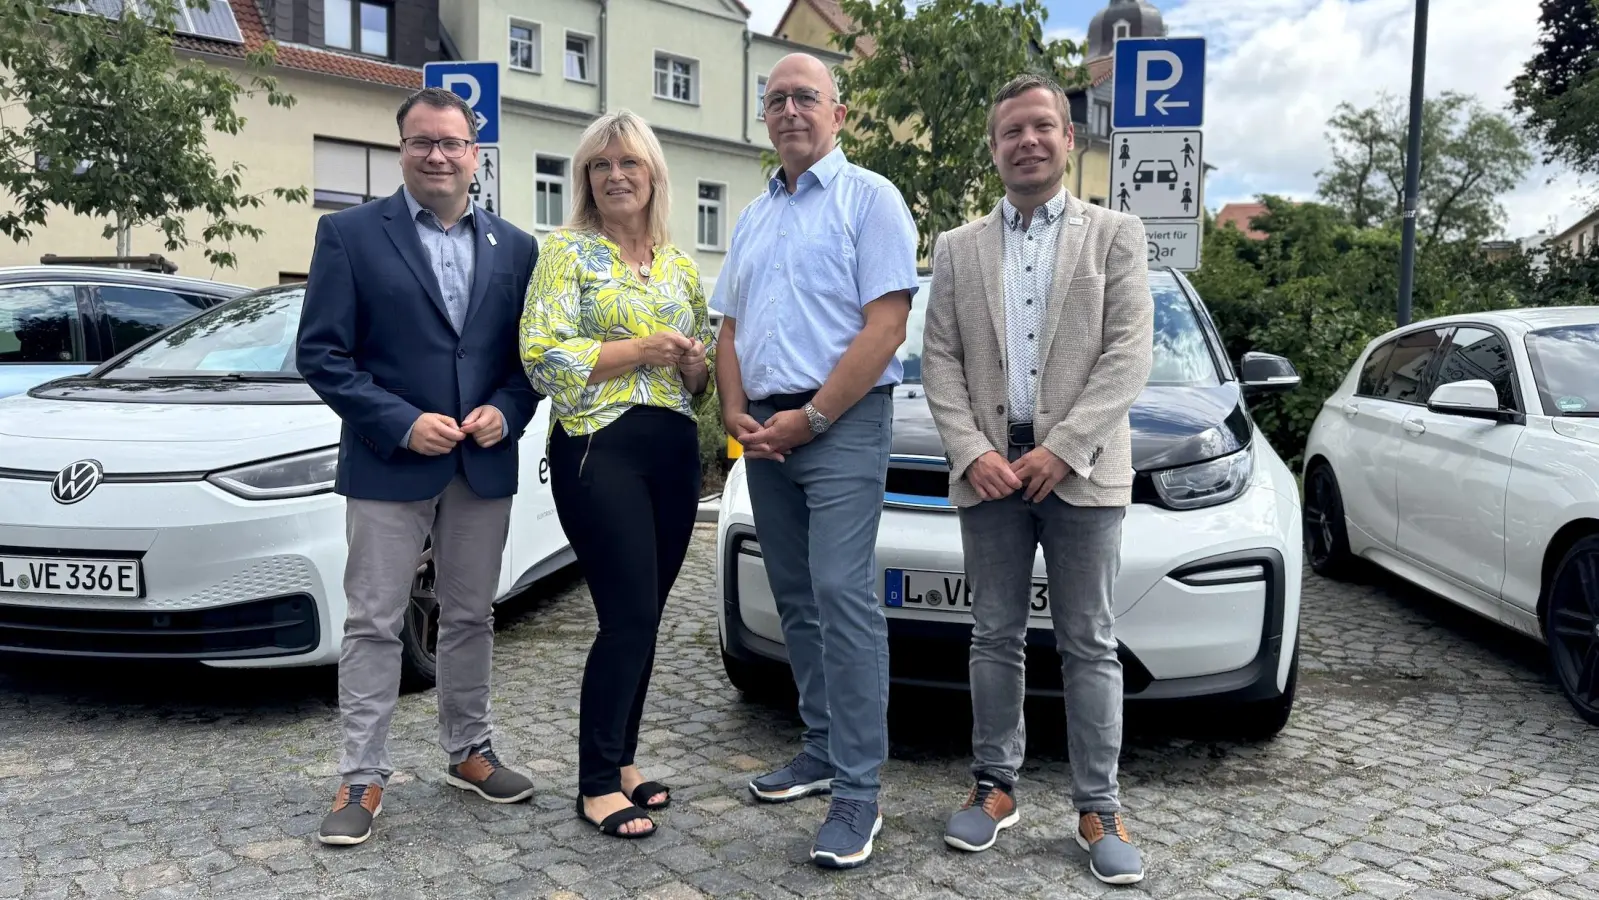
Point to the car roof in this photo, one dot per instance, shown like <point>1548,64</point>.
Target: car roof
<point>108,275</point>
<point>1519,320</point>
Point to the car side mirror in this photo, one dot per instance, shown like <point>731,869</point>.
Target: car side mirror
<point>1474,398</point>
<point>1266,373</point>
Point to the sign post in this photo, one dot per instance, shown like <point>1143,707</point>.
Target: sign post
<point>1157,165</point>
<point>478,83</point>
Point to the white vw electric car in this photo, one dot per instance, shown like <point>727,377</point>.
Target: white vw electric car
<point>176,503</point>
<point>1207,601</point>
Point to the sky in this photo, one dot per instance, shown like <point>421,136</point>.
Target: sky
<point>1276,69</point>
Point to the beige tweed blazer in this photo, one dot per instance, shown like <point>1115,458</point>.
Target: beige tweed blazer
<point>1094,359</point>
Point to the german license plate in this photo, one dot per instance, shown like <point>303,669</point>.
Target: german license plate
<point>71,576</point>
<point>945,592</point>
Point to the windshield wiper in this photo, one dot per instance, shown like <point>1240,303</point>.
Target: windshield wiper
<point>1580,414</point>
<point>229,376</point>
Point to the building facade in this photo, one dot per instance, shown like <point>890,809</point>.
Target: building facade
<point>690,67</point>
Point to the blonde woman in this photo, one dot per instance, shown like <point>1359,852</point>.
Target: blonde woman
<point>615,332</point>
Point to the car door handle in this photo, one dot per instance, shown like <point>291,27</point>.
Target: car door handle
<point>1350,409</point>
<point>1415,426</point>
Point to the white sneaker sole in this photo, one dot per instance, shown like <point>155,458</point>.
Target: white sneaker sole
<point>794,793</point>
<point>1003,824</point>
<point>344,840</point>
<point>849,860</point>
<point>465,785</point>
<point>1132,878</point>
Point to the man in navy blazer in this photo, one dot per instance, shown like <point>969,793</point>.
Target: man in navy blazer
<point>409,333</point>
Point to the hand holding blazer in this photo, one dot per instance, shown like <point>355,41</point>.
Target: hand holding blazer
<point>1094,360</point>
<point>377,345</point>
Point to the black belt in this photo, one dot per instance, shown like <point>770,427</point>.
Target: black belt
<point>1021,434</point>
<point>798,401</point>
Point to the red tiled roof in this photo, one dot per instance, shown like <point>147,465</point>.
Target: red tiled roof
<point>1100,70</point>
<point>1239,216</point>
<point>299,56</point>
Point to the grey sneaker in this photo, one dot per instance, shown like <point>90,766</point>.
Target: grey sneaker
<point>1111,855</point>
<point>989,808</point>
<point>484,774</point>
<point>349,822</point>
<point>803,776</point>
<point>845,839</point>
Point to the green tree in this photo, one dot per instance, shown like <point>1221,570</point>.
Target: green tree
<point>1557,92</point>
<point>100,118</point>
<point>933,73</point>
<point>1469,158</point>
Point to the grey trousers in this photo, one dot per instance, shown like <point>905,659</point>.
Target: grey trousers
<point>385,541</point>
<point>817,514</point>
<point>1082,555</point>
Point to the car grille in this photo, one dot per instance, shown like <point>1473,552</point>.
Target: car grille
<point>278,626</point>
<point>937,654</point>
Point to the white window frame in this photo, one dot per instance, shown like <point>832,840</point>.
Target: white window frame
<point>565,182</point>
<point>760,98</point>
<point>323,197</point>
<point>538,45</point>
<point>693,77</point>
<point>588,54</point>
<point>721,217</point>
<point>1122,29</point>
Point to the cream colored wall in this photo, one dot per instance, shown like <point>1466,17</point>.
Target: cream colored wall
<point>687,165</point>
<point>461,20</point>
<point>275,147</point>
<point>805,26</point>
<point>554,18</point>
<point>1091,175</point>
<point>641,28</point>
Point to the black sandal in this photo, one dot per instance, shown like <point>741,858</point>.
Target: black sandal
<point>648,789</point>
<point>613,823</point>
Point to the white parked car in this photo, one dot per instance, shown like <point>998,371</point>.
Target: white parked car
<point>1207,601</point>
<point>1462,454</point>
<point>176,503</point>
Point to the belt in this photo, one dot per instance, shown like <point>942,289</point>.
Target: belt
<point>1021,434</point>
<point>798,401</point>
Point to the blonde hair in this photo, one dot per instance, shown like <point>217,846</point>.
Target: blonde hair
<point>638,139</point>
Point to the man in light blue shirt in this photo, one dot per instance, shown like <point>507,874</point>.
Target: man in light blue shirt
<point>817,286</point>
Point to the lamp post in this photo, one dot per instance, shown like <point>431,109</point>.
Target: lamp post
<point>1418,77</point>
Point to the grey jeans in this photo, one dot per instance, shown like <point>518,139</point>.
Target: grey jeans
<point>1082,555</point>
<point>385,541</point>
<point>816,514</point>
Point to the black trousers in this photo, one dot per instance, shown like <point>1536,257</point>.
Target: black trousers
<point>627,496</point>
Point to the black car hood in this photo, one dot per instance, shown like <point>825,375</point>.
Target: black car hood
<point>1171,426</point>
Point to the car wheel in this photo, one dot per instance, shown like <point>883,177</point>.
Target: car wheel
<point>419,638</point>
<point>762,682</point>
<point>1571,626</point>
<point>1262,720</point>
<point>1326,533</point>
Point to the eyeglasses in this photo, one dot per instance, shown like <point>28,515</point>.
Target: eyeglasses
<point>804,99</point>
<point>602,164</point>
<point>421,147</point>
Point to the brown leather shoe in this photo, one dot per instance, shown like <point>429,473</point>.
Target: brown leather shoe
<point>484,774</point>
<point>1112,858</point>
<point>350,820</point>
<point>988,809</point>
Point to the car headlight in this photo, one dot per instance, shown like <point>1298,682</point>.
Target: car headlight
<point>1208,483</point>
<point>292,476</point>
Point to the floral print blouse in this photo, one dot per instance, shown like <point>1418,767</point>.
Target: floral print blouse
<point>582,294</point>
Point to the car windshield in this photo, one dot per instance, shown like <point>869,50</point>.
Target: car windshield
<point>1565,364</point>
<point>252,337</point>
<point>1181,355</point>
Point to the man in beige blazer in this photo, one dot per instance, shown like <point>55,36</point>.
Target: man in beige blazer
<point>1038,340</point>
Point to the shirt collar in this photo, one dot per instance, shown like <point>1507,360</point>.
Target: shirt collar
<point>417,209</point>
<point>1049,212</point>
<point>823,172</point>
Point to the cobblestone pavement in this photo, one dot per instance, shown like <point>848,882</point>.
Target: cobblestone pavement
<point>1428,757</point>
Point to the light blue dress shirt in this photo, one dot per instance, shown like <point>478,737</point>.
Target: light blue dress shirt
<point>452,253</point>
<point>801,267</point>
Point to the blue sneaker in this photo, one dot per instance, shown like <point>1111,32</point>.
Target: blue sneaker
<point>845,840</point>
<point>803,776</point>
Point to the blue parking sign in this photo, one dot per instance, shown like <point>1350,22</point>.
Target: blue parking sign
<point>478,83</point>
<point>1160,83</point>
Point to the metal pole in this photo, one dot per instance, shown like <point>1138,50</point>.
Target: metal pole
<point>1418,77</point>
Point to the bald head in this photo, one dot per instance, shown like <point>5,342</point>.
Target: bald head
<point>809,71</point>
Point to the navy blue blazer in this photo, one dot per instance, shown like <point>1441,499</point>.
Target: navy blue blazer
<point>376,344</point>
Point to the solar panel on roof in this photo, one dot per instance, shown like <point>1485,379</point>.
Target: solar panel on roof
<point>214,24</point>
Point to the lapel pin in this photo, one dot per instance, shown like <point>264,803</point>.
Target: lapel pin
<point>492,241</point>
<point>1075,220</point>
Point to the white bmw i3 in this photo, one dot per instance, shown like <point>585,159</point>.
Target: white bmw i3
<point>1207,600</point>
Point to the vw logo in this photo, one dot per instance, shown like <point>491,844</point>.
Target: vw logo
<point>76,481</point>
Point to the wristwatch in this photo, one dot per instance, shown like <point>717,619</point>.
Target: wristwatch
<point>819,422</point>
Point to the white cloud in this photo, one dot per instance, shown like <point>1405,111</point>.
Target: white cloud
<point>1278,68</point>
